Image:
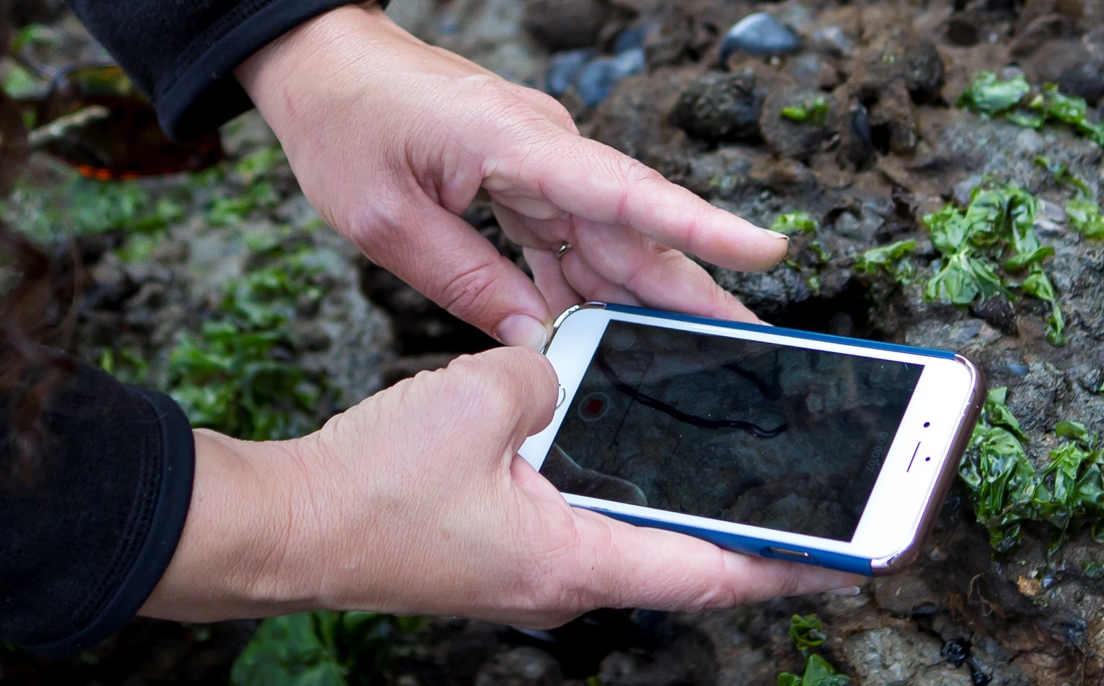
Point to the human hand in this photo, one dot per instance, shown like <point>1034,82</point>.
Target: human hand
<point>416,502</point>
<point>392,139</point>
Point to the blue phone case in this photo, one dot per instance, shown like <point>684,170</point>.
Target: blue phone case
<point>764,547</point>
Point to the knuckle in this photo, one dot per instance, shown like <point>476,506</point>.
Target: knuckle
<point>467,295</point>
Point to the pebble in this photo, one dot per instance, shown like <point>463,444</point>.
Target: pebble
<point>633,37</point>
<point>834,41</point>
<point>760,34</point>
<point>564,68</point>
<point>598,78</point>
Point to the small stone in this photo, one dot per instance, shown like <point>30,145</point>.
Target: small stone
<point>633,37</point>
<point>564,68</point>
<point>525,666</point>
<point>720,107</point>
<point>1086,80</point>
<point>565,24</point>
<point>759,34</point>
<point>834,41</point>
<point>1092,381</point>
<point>1018,368</point>
<point>1028,587</point>
<point>925,73</point>
<point>598,79</point>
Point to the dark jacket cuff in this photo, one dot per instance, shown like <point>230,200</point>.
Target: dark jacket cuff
<point>166,525</point>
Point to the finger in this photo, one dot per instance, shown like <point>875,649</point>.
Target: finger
<point>592,285</point>
<point>543,234</point>
<point>443,257</point>
<point>514,388</point>
<point>594,181</point>
<point>658,277</point>
<point>550,280</point>
<point>642,567</point>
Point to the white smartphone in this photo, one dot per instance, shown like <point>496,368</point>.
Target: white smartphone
<point>819,449</point>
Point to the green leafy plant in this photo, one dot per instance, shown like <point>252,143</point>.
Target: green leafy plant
<point>892,260</point>
<point>818,672</point>
<point>1018,102</point>
<point>813,112</point>
<point>994,234</point>
<point>1067,491</point>
<point>235,376</point>
<point>324,649</point>
<point>807,633</point>
<point>1083,211</point>
<point>795,223</point>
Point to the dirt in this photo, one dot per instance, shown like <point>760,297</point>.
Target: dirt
<point>894,148</point>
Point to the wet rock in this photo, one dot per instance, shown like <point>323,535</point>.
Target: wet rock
<point>598,78</point>
<point>759,34</point>
<point>1041,30</point>
<point>564,68</point>
<point>908,593</point>
<point>924,71</point>
<point>565,24</point>
<point>686,660</point>
<point>1085,80</point>
<point>999,312</point>
<point>813,71</point>
<point>893,655</point>
<point>793,139</point>
<point>856,149</point>
<point>720,107</point>
<point>833,41</point>
<point>965,29</point>
<point>525,666</point>
<point>892,121</point>
<point>633,37</point>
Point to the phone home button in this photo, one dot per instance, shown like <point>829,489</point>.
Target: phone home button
<point>790,554</point>
<point>561,396</point>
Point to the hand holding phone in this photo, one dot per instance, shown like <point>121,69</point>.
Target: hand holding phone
<point>784,444</point>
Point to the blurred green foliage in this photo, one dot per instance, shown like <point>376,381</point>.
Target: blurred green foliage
<point>794,223</point>
<point>1008,489</point>
<point>1083,211</point>
<point>1018,102</point>
<point>892,260</point>
<point>324,649</point>
<point>812,112</point>
<point>985,243</point>
<point>807,633</point>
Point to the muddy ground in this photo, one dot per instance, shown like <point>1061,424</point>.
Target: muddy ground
<point>960,615</point>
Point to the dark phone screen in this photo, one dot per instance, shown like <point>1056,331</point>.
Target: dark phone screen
<point>743,431</point>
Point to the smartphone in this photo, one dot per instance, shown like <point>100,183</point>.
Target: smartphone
<point>787,444</point>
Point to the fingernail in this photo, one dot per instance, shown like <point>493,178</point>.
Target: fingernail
<point>523,330</point>
<point>846,590</point>
<point>776,234</point>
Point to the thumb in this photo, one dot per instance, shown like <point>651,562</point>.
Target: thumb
<point>448,261</point>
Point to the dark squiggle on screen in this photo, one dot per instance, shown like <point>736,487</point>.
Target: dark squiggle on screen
<point>672,411</point>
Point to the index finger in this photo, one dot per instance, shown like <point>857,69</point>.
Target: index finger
<point>593,181</point>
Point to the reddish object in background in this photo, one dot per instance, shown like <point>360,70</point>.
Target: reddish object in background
<point>128,142</point>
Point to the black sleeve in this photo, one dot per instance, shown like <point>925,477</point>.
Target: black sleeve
<point>182,52</point>
<point>85,541</point>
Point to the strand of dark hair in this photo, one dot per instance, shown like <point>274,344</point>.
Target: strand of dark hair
<point>32,338</point>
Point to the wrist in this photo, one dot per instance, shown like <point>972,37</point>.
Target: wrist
<point>235,557</point>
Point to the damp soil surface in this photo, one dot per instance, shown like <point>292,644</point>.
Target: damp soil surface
<point>892,147</point>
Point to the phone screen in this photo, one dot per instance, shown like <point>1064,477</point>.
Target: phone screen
<point>743,431</point>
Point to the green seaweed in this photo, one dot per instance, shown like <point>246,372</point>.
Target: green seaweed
<point>1017,101</point>
<point>813,112</point>
<point>324,649</point>
<point>1009,489</point>
<point>807,633</point>
<point>891,260</point>
<point>795,223</point>
<point>994,234</point>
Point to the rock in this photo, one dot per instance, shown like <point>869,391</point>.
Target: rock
<point>1043,29</point>
<point>759,34</point>
<point>833,41</point>
<point>564,68</point>
<point>965,29</point>
<point>892,119</point>
<point>1085,80</point>
<point>525,666</point>
<point>720,107</point>
<point>812,71</point>
<point>598,79</point>
<point>633,37</point>
<point>565,24</point>
<point>924,71</point>
<point>793,139</point>
<point>856,148</point>
<point>900,655</point>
